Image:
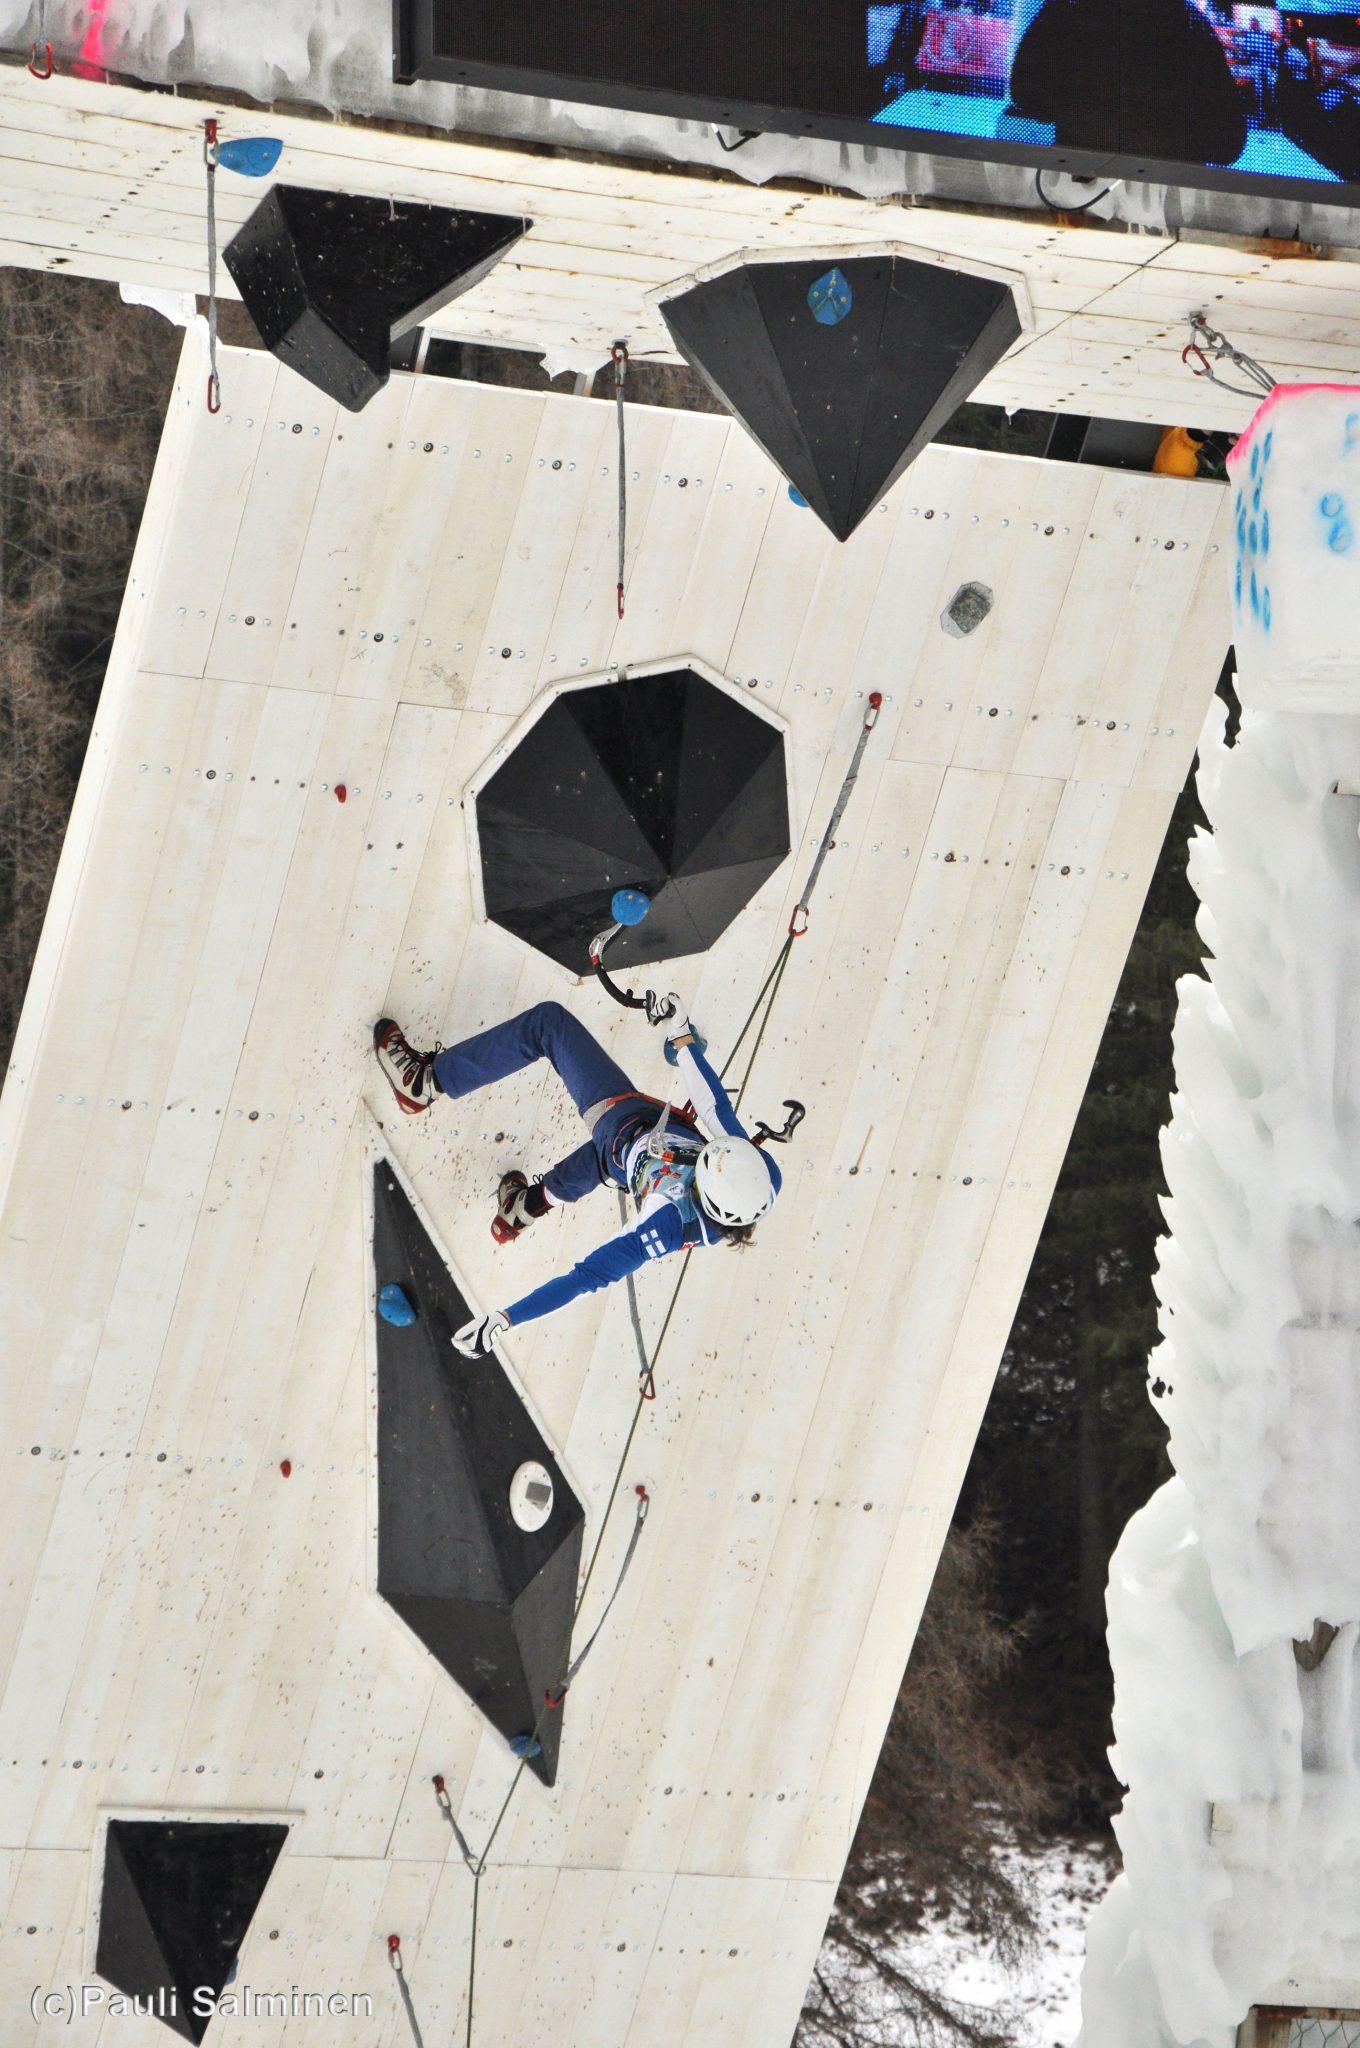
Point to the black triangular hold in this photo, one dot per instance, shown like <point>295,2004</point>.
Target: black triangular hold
<point>620,785</point>
<point>842,371</point>
<point>175,1902</point>
<point>332,279</point>
<point>491,1600</point>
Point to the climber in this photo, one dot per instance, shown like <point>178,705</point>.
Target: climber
<point>696,1180</point>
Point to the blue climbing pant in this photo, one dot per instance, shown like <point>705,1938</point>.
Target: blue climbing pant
<point>590,1077</point>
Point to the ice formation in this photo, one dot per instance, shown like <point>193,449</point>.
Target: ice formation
<point>1241,1829</point>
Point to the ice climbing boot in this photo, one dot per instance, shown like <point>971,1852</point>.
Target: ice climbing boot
<point>408,1073</point>
<point>519,1202</point>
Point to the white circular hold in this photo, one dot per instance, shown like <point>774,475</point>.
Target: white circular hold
<point>531,1495</point>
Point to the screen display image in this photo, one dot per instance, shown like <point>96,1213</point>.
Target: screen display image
<point>1264,91</point>
<point>1231,93</point>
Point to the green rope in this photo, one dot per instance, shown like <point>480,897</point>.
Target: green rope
<point>472,1962</point>
<point>775,972</point>
<point>768,992</point>
<point>778,976</point>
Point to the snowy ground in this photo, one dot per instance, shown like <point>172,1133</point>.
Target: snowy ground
<point>1039,2005</point>
<point>1047,1993</point>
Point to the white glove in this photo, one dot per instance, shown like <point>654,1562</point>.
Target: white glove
<point>481,1335</point>
<point>671,1012</point>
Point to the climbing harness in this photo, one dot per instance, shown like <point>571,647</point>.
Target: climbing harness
<point>657,1012</point>
<point>618,356</point>
<point>1206,341</point>
<point>210,159</point>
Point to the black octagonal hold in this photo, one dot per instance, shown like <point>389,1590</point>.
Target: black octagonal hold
<point>664,783</point>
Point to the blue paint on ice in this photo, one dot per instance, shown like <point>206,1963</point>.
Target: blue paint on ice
<point>1340,533</point>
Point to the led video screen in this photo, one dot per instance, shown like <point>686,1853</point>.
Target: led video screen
<point>1209,92</point>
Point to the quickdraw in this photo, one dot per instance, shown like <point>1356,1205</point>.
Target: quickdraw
<point>618,356</point>
<point>800,910</point>
<point>210,160</point>
<point>1204,337</point>
<point>43,43</point>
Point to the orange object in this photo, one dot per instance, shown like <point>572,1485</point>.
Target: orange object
<point>1177,453</point>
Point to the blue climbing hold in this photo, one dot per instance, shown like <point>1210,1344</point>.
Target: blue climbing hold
<point>830,297</point>
<point>1329,505</point>
<point>1265,608</point>
<point>1237,587</point>
<point>526,1746</point>
<point>254,156</point>
<point>395,1306</point>
<point>629,906</point>
<point>797,496</point>
<point>1265,533</point>
<point>673,1058</point>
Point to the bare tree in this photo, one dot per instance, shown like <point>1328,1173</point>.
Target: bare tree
<point>84,383</point>
<point>948,1801</point>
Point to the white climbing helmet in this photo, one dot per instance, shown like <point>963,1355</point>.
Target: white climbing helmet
<point>733,1182</point>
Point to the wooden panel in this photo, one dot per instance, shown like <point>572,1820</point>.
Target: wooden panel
<point>189,1287</point>
<point>108,182</point>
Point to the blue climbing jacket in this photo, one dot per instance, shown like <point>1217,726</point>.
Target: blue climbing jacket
<point>669,1218</point>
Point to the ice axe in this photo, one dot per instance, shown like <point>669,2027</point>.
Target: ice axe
<point>764,1134</point>
<point>627,907</point>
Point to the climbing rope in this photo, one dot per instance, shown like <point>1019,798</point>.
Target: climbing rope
<point>210,159</point>
<point>1206,341</point>
<point>618,355</point>
<point>567,1667</point>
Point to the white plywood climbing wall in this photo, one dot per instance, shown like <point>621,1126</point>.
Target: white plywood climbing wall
<point>104,180</point>
<point>320,599</point>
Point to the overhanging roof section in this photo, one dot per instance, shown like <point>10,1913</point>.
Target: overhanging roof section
<point>373,604</point>
<point>107,181</point>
